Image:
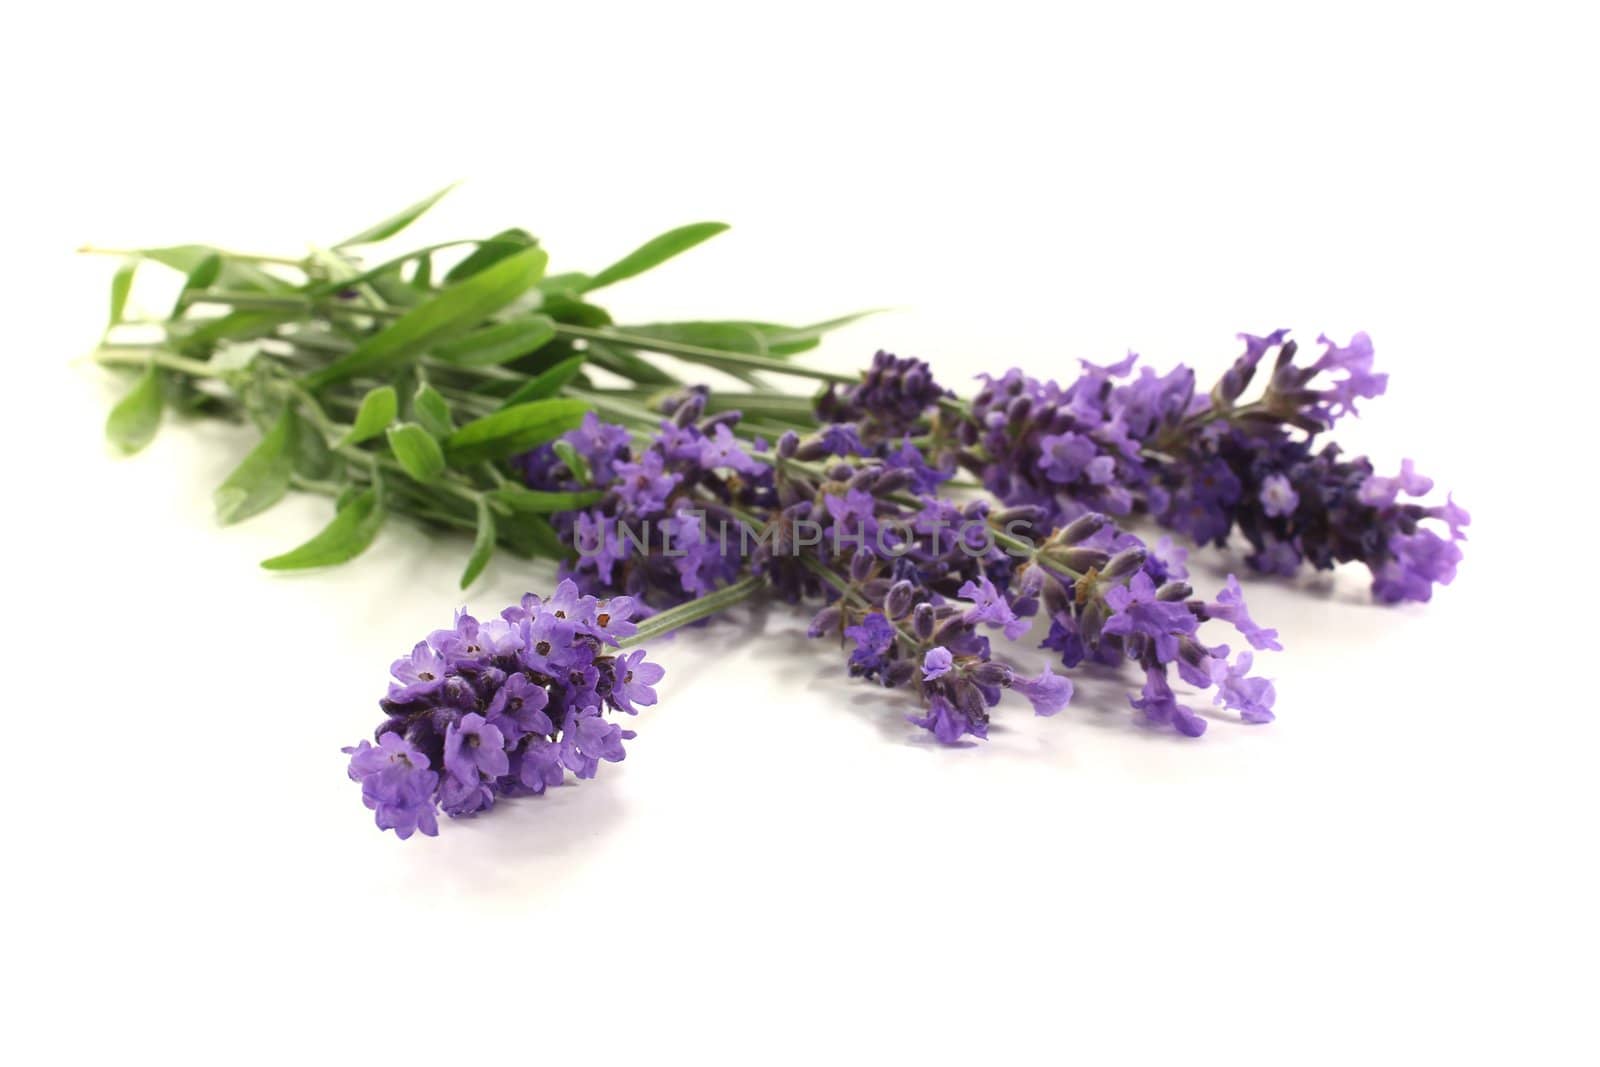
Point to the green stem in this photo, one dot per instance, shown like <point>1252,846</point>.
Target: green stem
<point>243,257</point>
<point>711,357</point>
<point>139,357</point>
<point>700,608</point>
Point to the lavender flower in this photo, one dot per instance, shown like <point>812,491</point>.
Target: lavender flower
<point>1210,466</point>
<point>502,708</point>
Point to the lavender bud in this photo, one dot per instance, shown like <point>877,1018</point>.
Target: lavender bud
<point>898,602</point>
<point>890,482</point>
<point>876,589</point>
<point>1018,410</point>
<point>864,479</point>
<point>1286,353</point>
<point>1123,563</point>
<point>1080,529</point>
<point>787,444</point>
<point>810,449</point>
<point>1174,591</point>
<point>394,725</point>
<point>1055,598</point>
<point>899,673</point>
<point>991,674</point>
<point>1076,560</point>
<point>949,630</point>
<point>861,566</point>
<point>842,472</point>
<point>824,621</point>
<point>689,410</point>
<point>922,621</point>
<point>1028,513</point>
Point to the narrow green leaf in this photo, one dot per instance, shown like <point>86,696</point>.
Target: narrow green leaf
<point>499,343</point>
<point>203,276</point>
<point>417,450</point>
<point>422,275</point>
<point>536,502</point>
<point>121,286</point>
<point>136,417</point>
<point>354,525</point>
<point>514,429</point>
<point>489,252</point>
<point>235,273</point>
<point>729,336</point>
<point>263,477</point>
<point>575,461</point>
<point>242,325</point>
<point>482,545</point>
<point>533,536</point>
<point>656,251</point>
<point>392,225</point>
<point>313,458</point>
<point>546,384</point>
<point>633,367</point>
<point>447,314</point>
<point>568,309</point>
<point>432,410</point>
<point>378,409</point>
<point>787,340</point>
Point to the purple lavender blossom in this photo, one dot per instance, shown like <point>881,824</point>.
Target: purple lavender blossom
<point>504,708</point>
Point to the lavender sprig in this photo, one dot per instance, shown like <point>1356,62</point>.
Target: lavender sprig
<point>503,708</point>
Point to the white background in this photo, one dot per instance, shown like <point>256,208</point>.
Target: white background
<point>1398,869</point>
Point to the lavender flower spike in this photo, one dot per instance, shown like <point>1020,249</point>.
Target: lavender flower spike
<point>502,708</point>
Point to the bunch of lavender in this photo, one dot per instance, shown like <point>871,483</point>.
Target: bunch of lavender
<point>1223,465</point>
<point>503,708</point>
<point>910,580</point>
<point>1208,465</point>
<point>404,382</point>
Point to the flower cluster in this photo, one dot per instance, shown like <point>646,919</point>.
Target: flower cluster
<point>890,399</point>
<point>1113,599</point>
<point>503,708</point>
<point>1257,468</point>
<point>1207,465</point>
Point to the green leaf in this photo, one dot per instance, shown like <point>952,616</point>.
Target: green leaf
<point>489,252</point>
<point>576,463</point>
<point>261,480</point>
<point>568,309</point>
<point>121,286</point>
<point>235,273</point>
<point>499,343</point>
<point>514,429</point>
<point>378,409</point>
<point>354,525</point>
<point>392,225</point>
<point>241,325</point>
<point>787,340</point>
<point>449,313</point>
<point>756,338</point>
<point>313,458</point>
<point>134,421</point>
<point>546,384</point>
<point>203,276</point>
<point>422,275</point>
<point>536,502</point>
<point>633,367</point>
<point>432,410</point>
<point>482,545</point>
<point>532,535</point>
<point>656,251</point>
<point>417,450</point>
